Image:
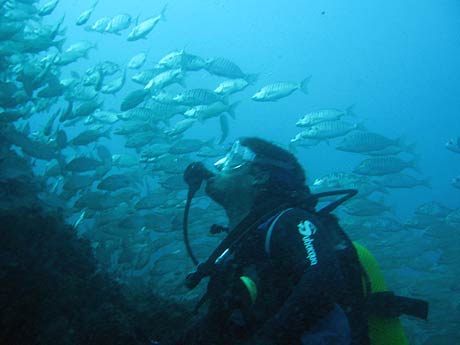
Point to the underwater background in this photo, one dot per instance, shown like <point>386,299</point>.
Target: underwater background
<point>109,162</point>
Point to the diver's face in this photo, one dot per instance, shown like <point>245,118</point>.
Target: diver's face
<point>231,186</point>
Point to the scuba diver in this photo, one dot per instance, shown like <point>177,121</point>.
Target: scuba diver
<point>286,273</point>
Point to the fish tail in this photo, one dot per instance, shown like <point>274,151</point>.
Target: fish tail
<point>231,109</point>
<point>350,111</point>
<point>304,85</point>
<point>251,78</point>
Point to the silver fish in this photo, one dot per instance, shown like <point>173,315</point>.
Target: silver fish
<point>329,129</point>
<point>181,59</point>
<point>143,77</point>
<point>225,68</point>
<point>453,145</point>
<point>82,164</point>
<point>100,25</point>
<point>47,8</point>
<point>383,166</point>
<point>115,182</point>
<point>153,151</point>
<point>118,23</point>
<point>433,209</point>
<point>204,112</point>
<point>228,87</point>
<point>124,160</point>
<point>115,85</point>
<point>90,136</point>
<point>362,141</point>
<point>365,207</point>
<point>164,79</point>
<point>275,91</point>
<point>102,117</point>
<point>133,99</point>
<point>180,127</point>
<point>401,180</point>
<point>195,97</point>
<point>137,61</point>
<point>318,116</point>
<point>85,15</point>
<point>143,29</point>
<point>77,182</point>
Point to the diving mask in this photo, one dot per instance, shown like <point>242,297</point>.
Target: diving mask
<point>238,156</point>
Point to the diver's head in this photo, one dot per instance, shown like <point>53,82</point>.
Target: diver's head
<point>255,170</point>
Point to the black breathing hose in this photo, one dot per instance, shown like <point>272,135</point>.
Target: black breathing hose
<point>194,175</point>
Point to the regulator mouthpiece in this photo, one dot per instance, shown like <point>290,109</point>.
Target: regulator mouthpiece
<point>194,175</point>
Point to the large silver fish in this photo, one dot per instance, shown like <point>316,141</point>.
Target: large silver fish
<point>383,166</point>
<point>195,97</point>
<point>143,29</point>
<point>85,15</point>
<point>137,61</point>
<point>329,129</point>
<point>118,23</point>
<point>225,68</point>
<point>47,8</point>
<point>228,87</point>
<point>276,91</point>
<point>329,114</point>
<point>362,141</point>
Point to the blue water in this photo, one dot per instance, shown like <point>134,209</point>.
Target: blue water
<point>396,61</point>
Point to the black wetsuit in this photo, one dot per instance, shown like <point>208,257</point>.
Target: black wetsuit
<point>302,267</point>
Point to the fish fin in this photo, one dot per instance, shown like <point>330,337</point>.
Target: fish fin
<point>209,143</point>
<point>58,44</point>
<point>224,128</point>
<point>410,148</point>
<point>292,147</point>
<point>163,11</point>
<point>360,126</point>
<point>304,85</point>
<point>231,109</point>
<point>414,164</point>
<point>350,110</point>
<point>182,82</point>
<point>225,99</point>
<point>426,183</point>
<point>382,188</point>
<point>107,133</point>
<point>251,78</point>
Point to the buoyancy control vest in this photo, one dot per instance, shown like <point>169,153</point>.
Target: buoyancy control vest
<point>373,315</point>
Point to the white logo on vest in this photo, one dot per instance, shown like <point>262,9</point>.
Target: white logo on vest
<point>308,229</point>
